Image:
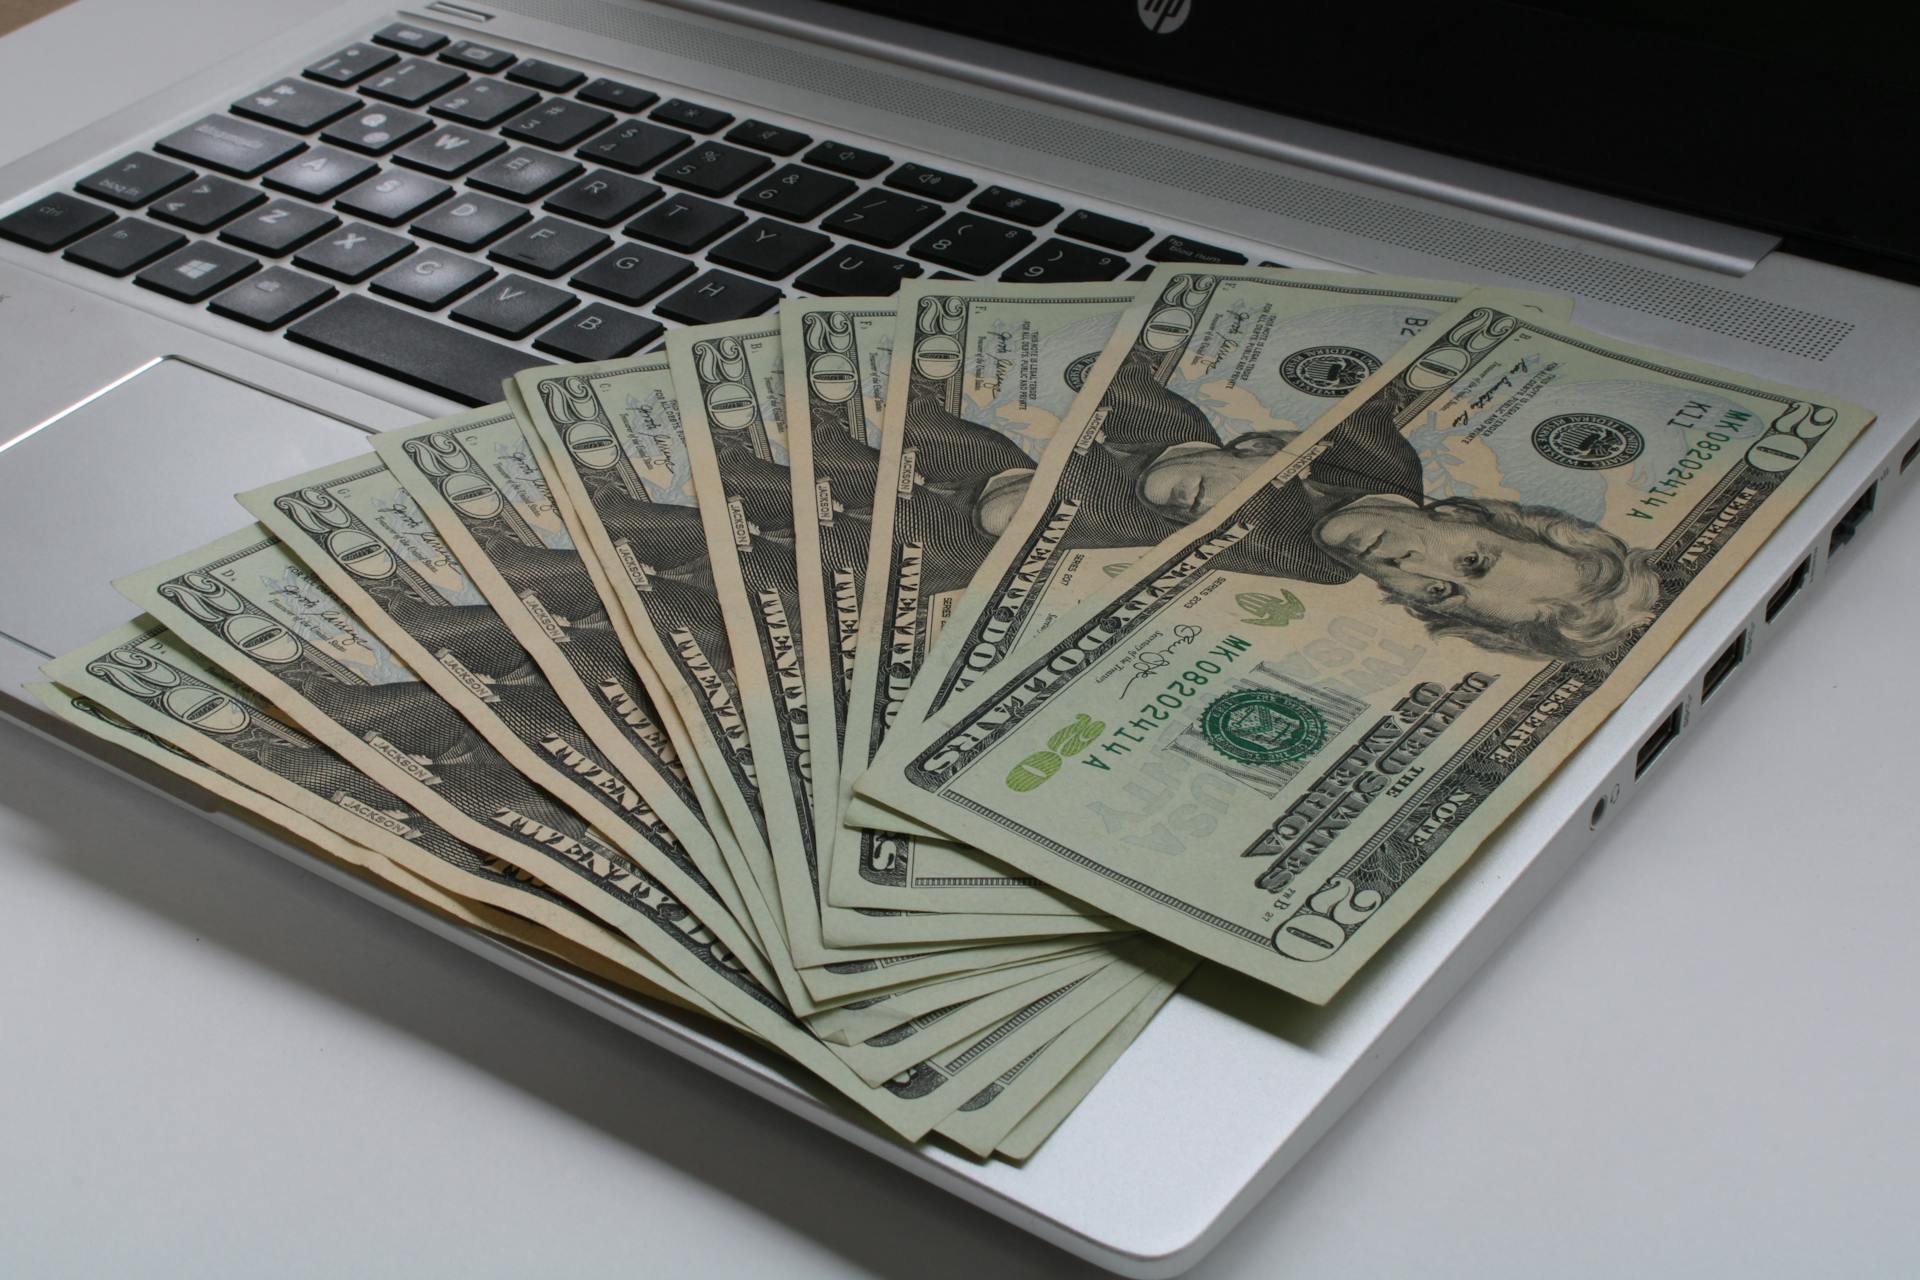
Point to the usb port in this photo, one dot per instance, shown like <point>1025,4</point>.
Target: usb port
<point>1733,656</point>
<point>1913,451</point>
<point>1850,523</point>
<point>1789,589</point>
<point>1658,740</point>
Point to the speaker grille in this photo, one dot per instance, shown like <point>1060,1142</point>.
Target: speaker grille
<point>1551,266</point>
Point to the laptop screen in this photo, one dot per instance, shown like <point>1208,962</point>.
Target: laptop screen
<point>1797,120</point>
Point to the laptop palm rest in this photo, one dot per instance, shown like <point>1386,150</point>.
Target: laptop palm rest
<point>143,468</point>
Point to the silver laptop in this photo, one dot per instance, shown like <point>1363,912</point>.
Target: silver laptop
<point>377,216</point>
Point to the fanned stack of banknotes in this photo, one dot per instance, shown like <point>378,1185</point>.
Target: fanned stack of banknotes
<point>921,686</point>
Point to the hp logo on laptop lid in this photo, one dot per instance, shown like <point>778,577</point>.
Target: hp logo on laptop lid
<point>1163,17</point>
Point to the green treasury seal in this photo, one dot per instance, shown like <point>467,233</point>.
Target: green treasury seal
<point>1260,726</point>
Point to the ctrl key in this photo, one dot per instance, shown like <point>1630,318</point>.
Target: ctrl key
<point>54,221</point>
<point>272,298</point>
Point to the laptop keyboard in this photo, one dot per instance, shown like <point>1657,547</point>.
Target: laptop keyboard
<point>447,213</point>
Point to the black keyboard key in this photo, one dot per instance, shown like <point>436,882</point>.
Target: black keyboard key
<point>196,272</point>
<point>206,204</point>
<point>716,296</point>
<point>411,348</point>
<point>484,103</point>
<point>135,180</point>
<point>353,252</point>
<point>853,271</point>
<point>280,228</point>
<point>350,64</point>
<point>513,307</point>
<point>969,242</point>
<point>1059,261</point>
<point>767,248</point>
<point>1141,274</point>
<point>376,130</point>
<point>635,146</point>
<point>621,97</point>
<point>229,145</point>
<point>549,247</point>
<point>449,150</point>
<point>430,279</point>
<point>53,221</point>
<point>685,223</point>
<point>1027,210</point>
<point>713,168</point>
<point>932,183</point>
<point>796,193</point>
<point>413,39</point>
<point>762,136</point>
<point>124,247</point>
<point>271,298</point>
<point>1108,233</point>
<point>855,162</point>
<point>690,115</point>
<point>546,75</point>
<point>320,173</point>
<point>478,57</point>
<point>598,332</point>
<point>412,82</point>
<point>885,218</point>
<point>633,273</point>
<point>523,174</point>
<point>393,197</point>
<point>603,197</point>
<point>294,104</point>
<point>470,222</point>
<point>556,123</point>
<point>1180,249</point>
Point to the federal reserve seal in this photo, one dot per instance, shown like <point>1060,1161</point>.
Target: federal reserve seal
<point>1076,374</point>
<point>1328,371</point>
<point>1587,441</point>
<point>1260,726</point>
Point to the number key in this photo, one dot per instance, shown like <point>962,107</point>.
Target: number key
<point>413,82</point>
<point>484,103</point>
<point>713,169</point>
<point>557,123</point>
<point>1059,261</point>
<point>797,194</point>
<point>884,218</point>
<point>968,242</point>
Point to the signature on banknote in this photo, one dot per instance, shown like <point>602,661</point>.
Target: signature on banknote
<point>1148,661</point>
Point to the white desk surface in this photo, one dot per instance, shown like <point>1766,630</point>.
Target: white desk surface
<point>1696,1058</point>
